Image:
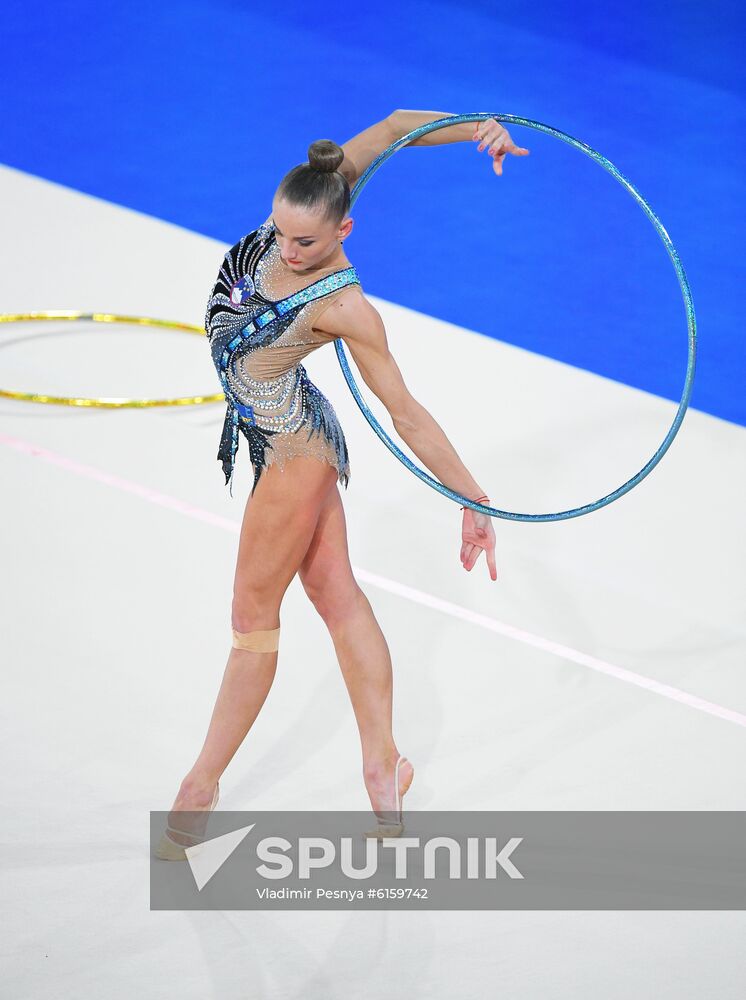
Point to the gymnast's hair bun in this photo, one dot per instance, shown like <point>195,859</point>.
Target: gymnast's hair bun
<point>325,156</point>
<point>317,185</point>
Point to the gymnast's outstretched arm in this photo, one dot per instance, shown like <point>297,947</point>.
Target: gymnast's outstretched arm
<point>491,134</point>
<point>358,323</point>
<point>363,148</point>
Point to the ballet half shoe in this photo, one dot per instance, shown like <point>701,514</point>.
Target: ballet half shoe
<point>390,823</point>
<point>169,849</point>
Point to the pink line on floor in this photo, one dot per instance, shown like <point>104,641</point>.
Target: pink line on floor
<point>126,485</point>
<point>552,647</point>
<point>393,587</point>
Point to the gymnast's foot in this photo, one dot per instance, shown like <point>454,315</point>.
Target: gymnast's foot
<point>380,779</point>
<point>194,794</point>
<point>187,819</point>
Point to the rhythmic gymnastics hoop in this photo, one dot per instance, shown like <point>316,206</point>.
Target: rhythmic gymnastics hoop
<point>107,402</point>
<point>684,284</point>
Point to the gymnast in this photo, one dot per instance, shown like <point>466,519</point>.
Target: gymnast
<point>282,291</point>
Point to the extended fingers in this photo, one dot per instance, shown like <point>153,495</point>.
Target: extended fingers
<point>491,564</point>
<point>472,557</point>
<point>493,134</point>
<point>466,553</point>
<point>499,154</point>
<point>488,132</point>
<point>497,140</point>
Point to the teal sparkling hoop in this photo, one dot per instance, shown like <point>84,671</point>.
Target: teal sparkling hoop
<point>684,284</point>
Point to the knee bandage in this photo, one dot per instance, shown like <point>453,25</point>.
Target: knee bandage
<point>263,640</point>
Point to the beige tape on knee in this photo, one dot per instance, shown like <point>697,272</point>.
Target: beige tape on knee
<point>263,640</point>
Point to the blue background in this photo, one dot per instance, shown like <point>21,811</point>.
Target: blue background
<point>193,112</point>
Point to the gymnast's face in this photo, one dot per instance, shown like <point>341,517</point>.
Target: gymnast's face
<point>305,239</point>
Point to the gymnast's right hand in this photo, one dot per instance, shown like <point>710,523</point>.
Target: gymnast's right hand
<point>477,533</point>
<point>495,137</point>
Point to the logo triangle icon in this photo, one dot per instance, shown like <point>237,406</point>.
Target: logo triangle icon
<point>206,858</point>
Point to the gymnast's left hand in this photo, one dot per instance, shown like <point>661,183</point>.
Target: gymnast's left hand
<point>477,533</point>
<point>496,137</point>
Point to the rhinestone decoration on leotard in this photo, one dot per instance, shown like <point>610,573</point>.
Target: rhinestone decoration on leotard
<point>247,328</point>
<point>268,395</point>
<point>290,402</point>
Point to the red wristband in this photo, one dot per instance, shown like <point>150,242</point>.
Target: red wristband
<point>478,500</point>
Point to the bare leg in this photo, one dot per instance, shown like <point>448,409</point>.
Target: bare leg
<point>246,682</point>
<point>276,531</point>
<point>361,648</point>
<point>365,662</point>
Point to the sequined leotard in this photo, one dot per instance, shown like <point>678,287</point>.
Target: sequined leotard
<point>259,329</point>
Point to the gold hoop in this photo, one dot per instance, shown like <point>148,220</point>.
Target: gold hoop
<point>108,402</point>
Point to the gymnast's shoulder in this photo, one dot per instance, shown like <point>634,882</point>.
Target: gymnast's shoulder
<point>350,315</point>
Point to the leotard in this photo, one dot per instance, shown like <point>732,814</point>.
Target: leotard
<point>259,324</point>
